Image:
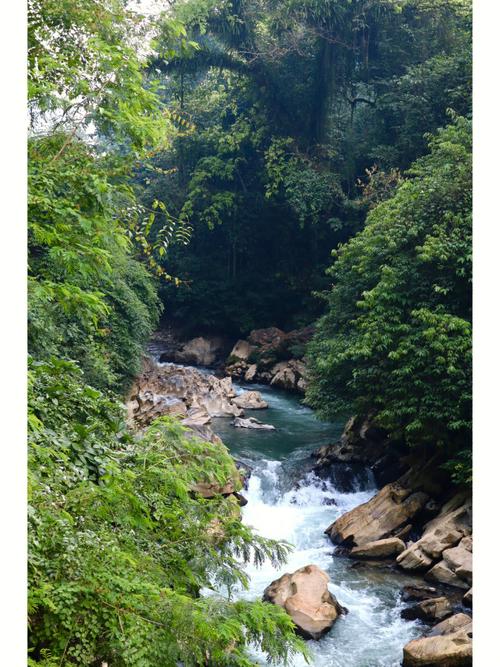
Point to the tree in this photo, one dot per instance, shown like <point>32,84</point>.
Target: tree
<point>396,338</point>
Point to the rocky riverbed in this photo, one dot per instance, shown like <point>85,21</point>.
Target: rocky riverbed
<point>400,555</point>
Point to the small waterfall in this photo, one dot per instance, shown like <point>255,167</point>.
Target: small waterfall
<point>373,633</point>
<point>288,502</point>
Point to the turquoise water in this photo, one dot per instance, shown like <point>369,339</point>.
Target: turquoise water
<point>287,502</point>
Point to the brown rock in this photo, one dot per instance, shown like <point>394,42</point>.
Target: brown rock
<point>288,374</point>
<point>451,624</point>
<point>378,518</point>
<point>431,610</point>
<point>387,548</point>
<point>452,649</point>
<point>250,400</point>
<point>444,531</point>
<point>459,559</point>
<point>199,351</point>
<point>444,575</point>
<point>250,373</point>
<point>305,597</point>
<point>241,351</point>
<point>197,390</point>
<point>270,338</point>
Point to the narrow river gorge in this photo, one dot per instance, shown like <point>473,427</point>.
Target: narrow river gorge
<point>283,505</point>
<point>288,503</point>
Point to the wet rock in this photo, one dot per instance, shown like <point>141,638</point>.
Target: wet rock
<point>329,501</point>
<point>370,565</point>
<point>429,611</point>
<point>360,442</point>
<point>391,546</point>
<point>289,375</point>
<point>245,471</point>
<point>242,501</point>
<point>304,595</point>
<point>418,592</point>
<point>451,648</point>
<point>251,422</point>
<point>250,400</point>
<point>388,511</point>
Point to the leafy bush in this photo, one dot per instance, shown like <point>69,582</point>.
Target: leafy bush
<point>120,545</point>
<point>396,339</point>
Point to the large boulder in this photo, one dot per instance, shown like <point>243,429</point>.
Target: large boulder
<point>363,443</point>
<point>445,531</point>
<point>200,351</point>
<point>448,645</point>
<point>304,595</point>
<point>272,356</point>
<point>251,422</point>
<point>388,548</point>
<point>148,406</point>
<point>267,339</point>
<point>459,559</point>
<point>250,400</point>
<point>289,375</point>
<point>384,514</point>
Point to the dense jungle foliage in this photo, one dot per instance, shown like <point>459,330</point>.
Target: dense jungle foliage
<point>205,163</point>
<point>119,544</point>
<point>306,113</point>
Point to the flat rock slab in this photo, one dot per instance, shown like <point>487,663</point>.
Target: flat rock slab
<point>391,546</point>
<point>251,422</point>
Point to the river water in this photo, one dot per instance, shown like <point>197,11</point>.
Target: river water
<point>285,506</point>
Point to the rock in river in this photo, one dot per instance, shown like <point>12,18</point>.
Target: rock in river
<point>251,422</point>
<point>378,518</point>
<point>448,645</point>
<point>392,546</point>
<point>304,595</point>
<point>429,611</point>
<point>250,400</point>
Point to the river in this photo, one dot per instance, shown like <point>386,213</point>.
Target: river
<point>372,634</point>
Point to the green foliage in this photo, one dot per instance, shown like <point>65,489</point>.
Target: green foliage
<point>396,338</point>
<point>293,103</point>
<point>88,298</point>
<point>120,544</point>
